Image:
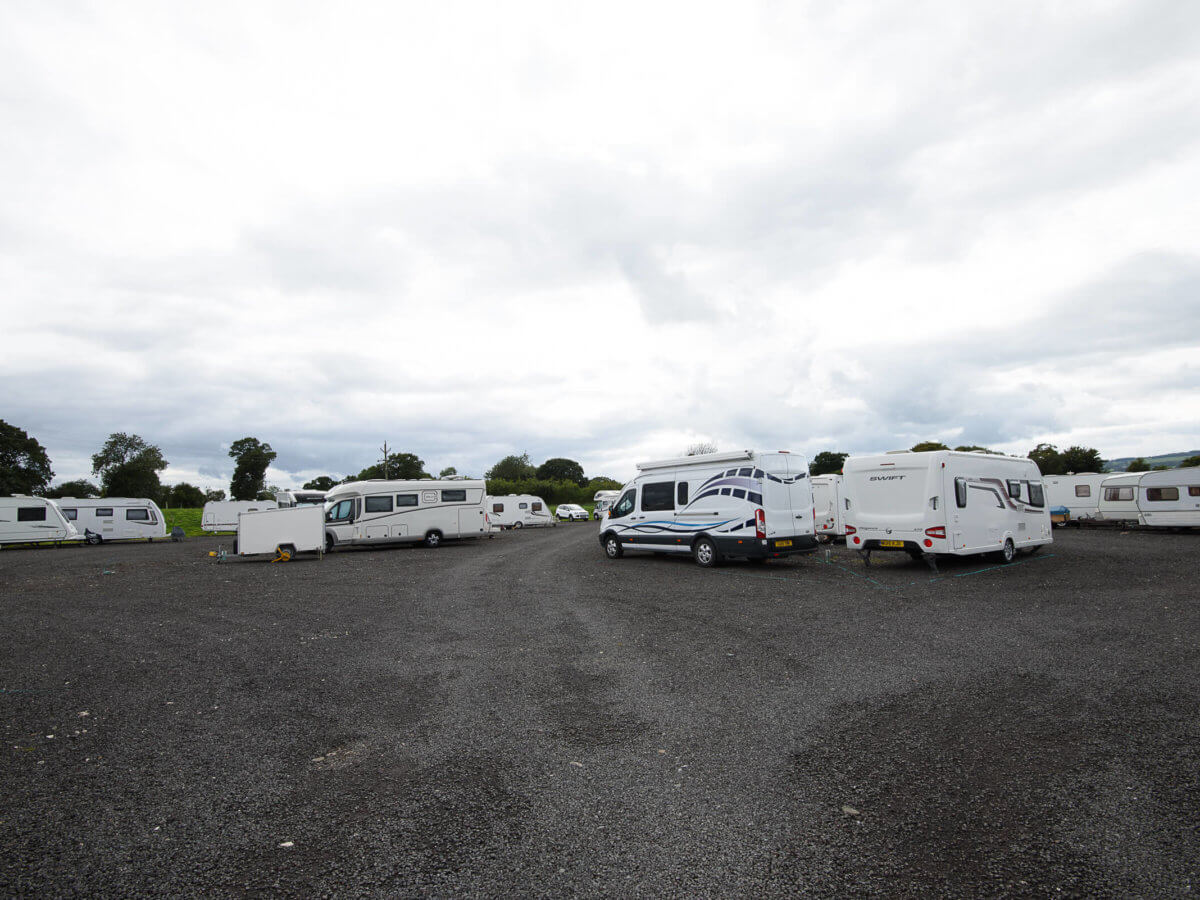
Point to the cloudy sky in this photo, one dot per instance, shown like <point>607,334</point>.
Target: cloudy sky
<point>602,232</point>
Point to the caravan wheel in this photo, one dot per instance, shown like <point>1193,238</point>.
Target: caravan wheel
<point>516,525</point>
<point>1009,551</point>
<point>94,538</point>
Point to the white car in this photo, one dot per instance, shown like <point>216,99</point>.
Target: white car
<point>569,512</point>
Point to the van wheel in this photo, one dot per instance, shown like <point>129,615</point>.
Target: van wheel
<point>329,542</point>
<point>613,548</point>
<point>433,539</point>
<point>704,551</point>
<point>1009,551</point>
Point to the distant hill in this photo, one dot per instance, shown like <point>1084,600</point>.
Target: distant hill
<point>1171,460</point>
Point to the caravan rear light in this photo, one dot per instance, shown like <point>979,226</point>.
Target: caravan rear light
<point>857,539</point>
<point>850,529</point>
<point>760,524</point>
<point>938,531</point>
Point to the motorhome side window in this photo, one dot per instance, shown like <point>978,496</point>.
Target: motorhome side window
<point>960,492</point>
<point>137,515</point>
<point>31,514</point>
<point>71,514</point>
<point>624,506</point>
<point>1083,490</point>
<point>379,504</point>
<point>406,499</point>
<point>658,496</point>
<point>681,494</point>
<point>1162,493</point>
<point>1037,496</point>
<point>454,496</point>
<point>103,512</point>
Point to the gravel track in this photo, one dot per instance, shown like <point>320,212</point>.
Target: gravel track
<point>521,715</point>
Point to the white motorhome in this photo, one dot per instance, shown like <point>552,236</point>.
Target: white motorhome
<point>829,506</point>
<point>602,501</point>
<point>114,518</point>
<point>519,511</point>
<point>1119,497</point>
<point>944,502</point>
<point>222,515</point>
<point>716,505</point>
<point>299,497</point>
<point>1170,498</point>
<point>424,511</point>
<point>1078,492</point>
<point>26,520</point>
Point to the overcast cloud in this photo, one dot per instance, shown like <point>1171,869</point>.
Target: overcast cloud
<point>474,229</point>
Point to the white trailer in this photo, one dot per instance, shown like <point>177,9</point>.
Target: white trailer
<point>222,515</point>
<point>284,531</point>
<point>28,520</point>
<point>1079,492</point>
<point>602,501</point>
<point>424,511</point>
<point>519,511</point>
<point>1119,497</point>
<point>746,504</point>
<point>1170,498</point>
<point>829,506</point>
<point>944,502</point>
<point>114,518</point>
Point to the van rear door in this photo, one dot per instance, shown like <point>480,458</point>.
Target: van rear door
<point>777,494</point>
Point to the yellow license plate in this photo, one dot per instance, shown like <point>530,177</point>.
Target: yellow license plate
<point>783,543</point>
<point>891,543</point>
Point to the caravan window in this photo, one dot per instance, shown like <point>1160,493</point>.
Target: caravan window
<point>406,499</point>
<point>681,494</point>
<point>522,506</point>
<point>497,507</point>
<point>1037,496</point>
<point>658,496</point>
<point>1162,493</point>
<point>1194,491</point>
<point>103,512</point>
<point>1118,493</point>
<point>31,514</point>
<point>960,492</point>
<point>454,496</point>
<point>71,514</point>
<point>1083,490</point>
<point>137,515</point>
<point>537,507</point>
<point>379,504</point>
<point>1014,489</point>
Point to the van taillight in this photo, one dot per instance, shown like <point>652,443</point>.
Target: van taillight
<point>760,524</point>
<point>938,531</point>
<point>850,529</point>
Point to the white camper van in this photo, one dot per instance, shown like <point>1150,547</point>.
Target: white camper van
<point>222,515</point>
<point>716,505</point>
<point>299,497</point>
<point>26,520</point>
<point>829,506</point>
<point>944,502</point>
<point>1119,497</point>
<point>602,501</point>
<point>519,511</point>
<point>114,518</point>
<point>1078,492</point>
<point>1170,498</point>
<point>395,512</point>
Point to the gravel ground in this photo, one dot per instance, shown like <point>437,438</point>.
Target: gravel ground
<point>521,715</point>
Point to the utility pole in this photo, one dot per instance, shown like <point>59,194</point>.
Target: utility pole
<point>384,448</point>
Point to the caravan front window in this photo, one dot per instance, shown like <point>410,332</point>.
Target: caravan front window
<point>960,492</point>
<point>1037,496</point>
<point>71,514</point>
<point>1014,489</point>
<point>31,514</point>
<point>137,515</point>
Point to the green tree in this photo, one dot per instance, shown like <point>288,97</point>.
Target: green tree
<point>1081,459</point>
<point>24,465</point>
<point>1189,462</point>
<point>972,448</point>
<point>602,483</point>
<point>249,474</point>
<point>447,472</point>
<point>513,468</point>
<point>1138,465</point>
<point>1048,459</point>
<point>183,496</point>
<point>827,462</point>
<point>80,488</point>
<point>928,445</point>
<point>320,483</point>
<point>560,469</point>
<point>399,466</point>
<point>128,466</point>
<point>214,495</point>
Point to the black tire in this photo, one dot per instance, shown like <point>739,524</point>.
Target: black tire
<point>1009,552</point>
<point>704,551</point>
<point>433,540</point>
<point>94,539</point>
<point>613,548</point>
<point>516,525</point>
<point>329,542</point>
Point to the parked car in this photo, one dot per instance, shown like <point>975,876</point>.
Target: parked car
<point>569,512</point>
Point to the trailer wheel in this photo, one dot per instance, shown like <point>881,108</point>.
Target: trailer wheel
<point>433,539</point>
<point>516,526</point>
<point>1009,551</point>
<point>704,551</point>
<point>94,538</point>
<point>613,548</point>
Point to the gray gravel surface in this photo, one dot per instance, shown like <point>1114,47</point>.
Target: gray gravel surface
<point>523,716</point>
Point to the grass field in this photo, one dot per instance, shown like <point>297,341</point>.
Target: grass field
<point>187,519</point>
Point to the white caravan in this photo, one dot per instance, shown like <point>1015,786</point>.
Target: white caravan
<point>944,502</point>
<point>425,511</point>
<point>829,506</point>
<point>1079,493</point>
<point>285,531</point>
<point>114,518</point>
<point>519,511</point>
<point>602,501</point>
<point>25,520</point>
<point>1170,498</point>
<point>299,497</point>
<point>222,515</point>
<point>715,505</point>
<point>1119,497</point>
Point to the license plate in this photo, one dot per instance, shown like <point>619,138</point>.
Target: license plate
<point>783,543</point>
<point>891,543</point>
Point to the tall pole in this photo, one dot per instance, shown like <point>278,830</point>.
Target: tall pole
<point>384,448</point>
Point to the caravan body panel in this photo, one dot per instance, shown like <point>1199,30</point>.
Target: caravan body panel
<point>115,518</point>
<point>27,520</point>
<point>1119,497</point>
<point>222,515</point>
<point>519,511</point>
<point>406,511</point>
<point>1170,498</point>
<point>1079,493</point>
